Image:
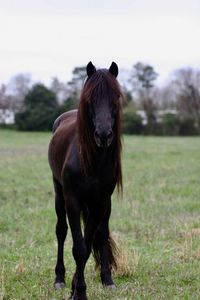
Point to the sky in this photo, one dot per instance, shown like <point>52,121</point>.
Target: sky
<point>48,38</point>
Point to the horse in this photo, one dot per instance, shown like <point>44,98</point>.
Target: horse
<point>85,160</point>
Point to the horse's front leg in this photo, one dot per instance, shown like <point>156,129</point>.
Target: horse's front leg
<point>93,221</point>
<point>79,248</point>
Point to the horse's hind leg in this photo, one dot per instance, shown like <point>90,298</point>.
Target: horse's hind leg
<point>61,232</point>
<point>105,250</point>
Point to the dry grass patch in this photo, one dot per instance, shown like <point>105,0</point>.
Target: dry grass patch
<point>20,267</point>
<point>2,287</point>
<point>194,232</point>
<point>128,261</point>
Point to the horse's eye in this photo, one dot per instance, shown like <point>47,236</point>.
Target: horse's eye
<point>91,113</point>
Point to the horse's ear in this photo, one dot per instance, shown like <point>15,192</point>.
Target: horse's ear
<point>90,69</point>
<point>114,69</point>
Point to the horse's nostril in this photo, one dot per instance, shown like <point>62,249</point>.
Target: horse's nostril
<point>96,134</point>
<point>97,138</point>
<point>109,134</point>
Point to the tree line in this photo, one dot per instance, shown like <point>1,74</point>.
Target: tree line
<point>170,109</point>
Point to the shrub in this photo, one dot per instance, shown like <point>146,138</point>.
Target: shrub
<point>132,123</point>
<point>39,110</point>
<point>170,124</point>
<point>187,127</point>
<point>174,125</point>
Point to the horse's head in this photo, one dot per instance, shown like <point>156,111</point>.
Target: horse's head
<point>99,118</point>
<point>103,102</point>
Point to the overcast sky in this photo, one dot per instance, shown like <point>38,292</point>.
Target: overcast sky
<point>50,37</point>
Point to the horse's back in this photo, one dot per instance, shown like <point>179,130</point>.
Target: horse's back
<point>64,137</point>
<point>65,117</point>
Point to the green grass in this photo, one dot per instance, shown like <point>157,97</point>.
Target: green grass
<point>156,224</point>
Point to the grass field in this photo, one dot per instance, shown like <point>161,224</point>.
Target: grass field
<point>156,224</point>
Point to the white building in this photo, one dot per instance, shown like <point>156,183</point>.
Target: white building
<point>7,117</point>
<point>159,115</point>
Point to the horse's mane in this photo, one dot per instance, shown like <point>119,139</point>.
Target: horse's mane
<point>100,84</point>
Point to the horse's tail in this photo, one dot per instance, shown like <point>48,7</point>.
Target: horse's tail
<point>110,248</point>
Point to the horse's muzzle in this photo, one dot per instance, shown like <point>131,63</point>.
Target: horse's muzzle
<point>103,138</point>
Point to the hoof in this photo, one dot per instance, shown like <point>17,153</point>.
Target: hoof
<point>73,297</point>
<point>59,285</point>
<point>110,286</point>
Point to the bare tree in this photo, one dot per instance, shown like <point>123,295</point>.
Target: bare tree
<point>75,85</point>
<point>165,97</point>
<point>18,87</point>
<point>3,97</point>
<point>6,106</point>
<point>142,80</point>
<point>6,101</point>
<point>60,89</point>
<point>187,83</point>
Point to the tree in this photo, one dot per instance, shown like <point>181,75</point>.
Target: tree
<point>132,122</point>
<point>165,96</point>
<point>67,105</point>
<point>142,80</point>
<point>3,97</point>
<point>40,108</point>
<point>18,87</point>
<point>142,77</point>
<point>59,89</point>
<point>76,84</point>
<point>187,83</point>
<point>6,101</point>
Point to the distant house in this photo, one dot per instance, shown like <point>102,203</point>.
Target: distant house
<point>143,116</point>
<point>7,117</point>
<point>159,115</point>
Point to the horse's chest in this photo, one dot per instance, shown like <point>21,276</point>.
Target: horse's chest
<point>95,185</point>
<point>101,183</point>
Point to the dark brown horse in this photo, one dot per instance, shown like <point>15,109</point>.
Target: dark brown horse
<point>85,159</point>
